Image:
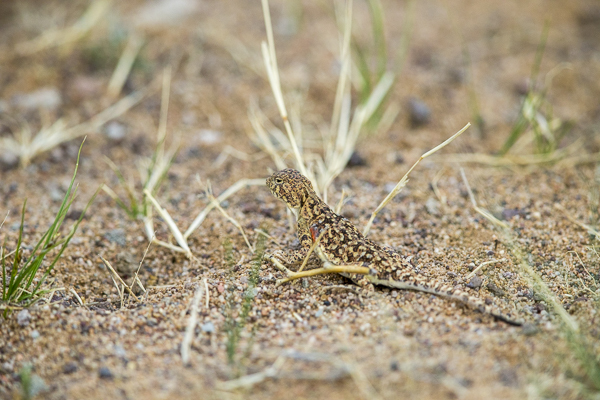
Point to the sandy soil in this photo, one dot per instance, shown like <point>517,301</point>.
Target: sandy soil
<point>337,345</point>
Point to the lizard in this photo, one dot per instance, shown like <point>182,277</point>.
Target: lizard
<point>344,249</point>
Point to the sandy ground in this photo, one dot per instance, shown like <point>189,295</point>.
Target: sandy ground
<point>333,343</point>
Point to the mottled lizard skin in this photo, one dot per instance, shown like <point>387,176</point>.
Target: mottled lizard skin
<point>342,244</point>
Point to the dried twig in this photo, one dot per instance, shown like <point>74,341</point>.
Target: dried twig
<point>192,321</point>
<point>400,185</point>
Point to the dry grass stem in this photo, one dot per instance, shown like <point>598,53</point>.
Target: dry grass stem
<point>483,264</point>
<point>121,72</point>
<point>170,223</point>
<point>27,146</point>
<point>485,213</point>
<point>186,344</point>
<point>589,228</point>
<point>253,379</point>
<point>116,275</point>
<point>232,220</point>
<point>241,184</point>
<point>400,185</point>
<point>76,296</point>
<point>59,37</point>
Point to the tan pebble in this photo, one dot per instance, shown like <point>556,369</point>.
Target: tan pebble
<point>220,288</point>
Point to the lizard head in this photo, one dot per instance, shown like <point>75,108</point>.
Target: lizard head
<point>291,187</point>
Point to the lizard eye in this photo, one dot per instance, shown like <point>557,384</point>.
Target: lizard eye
<point>278,180</point>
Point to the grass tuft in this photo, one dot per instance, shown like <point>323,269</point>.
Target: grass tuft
<point>18,286</point>
<point>233,325</point>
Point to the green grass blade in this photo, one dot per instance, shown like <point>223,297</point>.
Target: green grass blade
<point>13,274</point>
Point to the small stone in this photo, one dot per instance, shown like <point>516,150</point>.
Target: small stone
<point>394,366</point>
<point>495,289</point>
<point>264,312</point>
<point>419,112</point>
<point>105,373</point>
<point>23,317</point>
<point>304,283</point>
<point>120,351</point>
<point>208,327</point>
<point>69,368</point>
<point>475,283</point>
<point>356,160</point>
<point>220,288</point>
<point>116,236</point>
<point>319,313</point>
<point>209,137</point>
<point>432,206</point>
<point>8,160</point>
<point>115,131</point>
<point>34,334</point>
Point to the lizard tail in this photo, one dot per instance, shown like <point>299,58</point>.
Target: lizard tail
<point>411,282</point>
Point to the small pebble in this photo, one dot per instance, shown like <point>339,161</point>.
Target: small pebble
<point>105,373</point>
<point>23,317</point>
<point>356,160</point>
<point>475,282</point>
<point>208,327</point>
<point>34,334</point>
<point>319,313</point>
<point>115,131</point>
<point>8,160</point>
<point>116,236</point>
<point>69,368</point>
<point>419,112</point>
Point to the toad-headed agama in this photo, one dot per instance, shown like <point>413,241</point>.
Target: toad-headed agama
<point>340,243</point>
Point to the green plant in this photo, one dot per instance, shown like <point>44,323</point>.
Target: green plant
<point>18,286</point>
<point>536,114</point>
<point>234,326</point>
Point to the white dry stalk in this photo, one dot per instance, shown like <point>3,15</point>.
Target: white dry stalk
<point>124,65</point>
<point>483,264</point>
<point>27,146</point>
<point>186,344</point>
<point>400,185</point>
<point>339,141</point>
<point>170,223</point>
<point>76,296</point>
<point>59,37</point>
<point>270,60</point>
<point>216,204</point>
<point>242,183</point>
<point>114,274</point>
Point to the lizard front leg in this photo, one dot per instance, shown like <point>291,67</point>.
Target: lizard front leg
<point>281,258</point>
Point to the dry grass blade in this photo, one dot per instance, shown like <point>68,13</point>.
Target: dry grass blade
<point>186,344</point>
<point>170,223</point>
<point>242,183</point>
<point>483,264</point>
<point>121,72</point>
<point>485,213</point>
<point>270,60</point>
<point>400,185</point>
<point>76,296</point>
<point>114,274</point>
<point>27,147</point>
<point>253,379</point>
<point>59,37</point>
<point>589,228</point>
<point>216,204</point>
